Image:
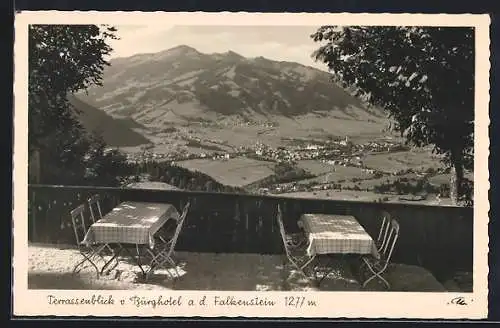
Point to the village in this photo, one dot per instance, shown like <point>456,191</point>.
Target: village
<point>342,161</point>
<point>336,152</point>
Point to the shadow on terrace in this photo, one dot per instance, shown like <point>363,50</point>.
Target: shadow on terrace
<point>232,242</point>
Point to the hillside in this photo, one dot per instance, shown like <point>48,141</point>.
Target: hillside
<point>116,132</point>
<point>182,86</point>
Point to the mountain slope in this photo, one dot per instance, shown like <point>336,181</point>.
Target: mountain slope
<point>115,132</point>
<point>181,85</point>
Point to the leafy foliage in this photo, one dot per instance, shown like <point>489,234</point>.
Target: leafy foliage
<point>423,77</point>
<point>64,59</point>
<point>104,166</point>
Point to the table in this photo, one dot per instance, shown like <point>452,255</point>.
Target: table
<point>331,233</point>
<point>336,234</point>
<point>130,223</point>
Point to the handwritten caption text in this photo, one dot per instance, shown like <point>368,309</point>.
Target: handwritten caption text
<point>179,301</point>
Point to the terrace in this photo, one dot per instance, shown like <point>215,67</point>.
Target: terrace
<point>232,242</point>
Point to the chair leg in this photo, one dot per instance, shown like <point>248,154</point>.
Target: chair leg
<point>313,277</point>
<point>87,258</point>
<point>117,262</point>
<point>169,273</point>
<point>174,265</point>
<point>386,283</point>
<point>158,260</point>
<point>301,268</point>
<point>96,269</point>
<point>75,271</point>
<point>377,275</point>
<point>304,274</point>
<point>171,262</point>
<point>113,258</point>
<point>101,257</point>
<point>109,249</point>
<point>297,267</point>
<point>304,266</point>
<point>155,259</point>
<point>79,264</point>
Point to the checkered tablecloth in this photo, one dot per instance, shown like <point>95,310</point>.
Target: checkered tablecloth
<point>336,234</point>
<point>131,223</point>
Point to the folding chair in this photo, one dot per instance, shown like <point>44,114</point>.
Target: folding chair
<point>167,247</point>
<point>95,204</point>
<point>294,248</point>
<point>88,252</point>
<point>378,266</point>
<point>384,229</point>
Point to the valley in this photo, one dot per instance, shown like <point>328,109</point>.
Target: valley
<point>265,126</point>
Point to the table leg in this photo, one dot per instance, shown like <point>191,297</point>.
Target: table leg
<point>116,253</point>
<point>137,259</point>
<point>152,264</point>
<point>115,257</point>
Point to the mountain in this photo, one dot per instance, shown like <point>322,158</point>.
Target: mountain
<point>182,85</point>
<point>115,132</point>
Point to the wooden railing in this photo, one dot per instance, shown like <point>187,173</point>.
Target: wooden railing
<point>438,238</point>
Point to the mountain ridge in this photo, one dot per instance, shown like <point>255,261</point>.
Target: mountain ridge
<point>189,49</point>
<point>182,85</point>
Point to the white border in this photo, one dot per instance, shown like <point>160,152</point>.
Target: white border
<point>333,304</point>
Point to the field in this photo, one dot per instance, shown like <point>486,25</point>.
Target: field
<point>365,196</point>
<point>339,173</point>
<point>393,162</point>
<point>370,183</point>
<point>315,167</point>
<point>206,138</point>
<point>233,172</point>
<point>445,178</point>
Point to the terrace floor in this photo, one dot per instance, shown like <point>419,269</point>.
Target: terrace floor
<point>50,267</point>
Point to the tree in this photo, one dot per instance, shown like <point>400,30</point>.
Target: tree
<point>62,154</point>
<point>103,166</point>
<point>423,77</point>
<point>63,59</point>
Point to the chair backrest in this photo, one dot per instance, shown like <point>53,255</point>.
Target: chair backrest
<point>94,203</point>
<point>388,248</point>
<point>282,230</point>
<point>185,210</point>
<point>384,230</point>
<point>178,228</point>
<point>78,222</point>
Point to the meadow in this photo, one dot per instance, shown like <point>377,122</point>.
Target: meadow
<point>338,174</point>
<point>365,196</point>
<point>403,160</point>
<point>315,167</point>
<point>238,171</point>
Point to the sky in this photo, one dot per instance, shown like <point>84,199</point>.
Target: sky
<point>285,43</point>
